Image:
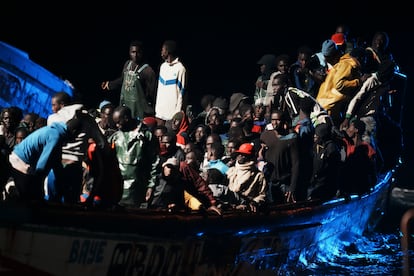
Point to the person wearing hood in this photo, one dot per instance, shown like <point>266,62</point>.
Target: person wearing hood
<point>267,67</point>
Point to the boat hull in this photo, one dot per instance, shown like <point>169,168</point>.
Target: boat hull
<point>67,240</point>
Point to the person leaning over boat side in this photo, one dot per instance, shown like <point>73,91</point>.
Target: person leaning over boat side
<point>137,153</point>
<point>247,181</point>
<point>37,154</point>
<point>66,187</point>
<point>138,83</point>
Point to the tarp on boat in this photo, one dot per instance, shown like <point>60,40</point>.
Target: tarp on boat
<point>26,84</point>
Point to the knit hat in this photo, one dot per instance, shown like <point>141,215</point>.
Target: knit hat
<point>103,103</point>
<point>329,48</point>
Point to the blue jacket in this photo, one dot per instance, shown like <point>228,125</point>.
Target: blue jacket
<point>42,148</point>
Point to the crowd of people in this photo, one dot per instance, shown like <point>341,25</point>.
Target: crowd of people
<point>308,131</point>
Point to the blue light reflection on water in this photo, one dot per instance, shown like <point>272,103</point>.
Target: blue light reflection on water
<point>372,254</point>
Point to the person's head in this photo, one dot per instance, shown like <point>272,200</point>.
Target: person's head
<point>122,117</point>
<point>277,119</point>
<point>212,138</point>
<point>356,129</point>
<point>280,83</point>
<point>245,153</point>
<point>20,134</point>
<point>193,158</point>
<point>178,121</point>
<point>232,146</point>
<point>169,142</point>
<point>216,151</point>
<point>169,50</point>
<point>40,122</point>
<point>380,41</point>
<point>317,70</point>
<point>330,51</point>
<point>303,55</point>
<point>267,65</point>
<point>105,115</point>
<point>282,63</point>
<point>200,133</point>
<point>170,167</point>
<point>29,119</point>
<point>322,133</point>
<point>136,49</point>
<point>59,100</point>
<point>11,117</point>
<point>340,41</point>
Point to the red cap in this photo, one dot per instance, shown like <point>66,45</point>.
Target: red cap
<point>150,121</point>
<point>245,148</point>
<point>338,38</point>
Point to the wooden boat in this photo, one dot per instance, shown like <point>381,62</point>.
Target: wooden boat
<point>48,239</point>
<point>26,84</point>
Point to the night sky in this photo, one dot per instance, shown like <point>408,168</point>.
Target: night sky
<point>87,43</point>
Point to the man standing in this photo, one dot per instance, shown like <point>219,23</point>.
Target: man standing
<point>137,83</point>
<point>171,95</point>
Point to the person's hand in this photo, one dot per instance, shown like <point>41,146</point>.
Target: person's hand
<point>214,210</point>
<point>253,206</point>
<point>148,194</point>
<point>364,77</point>
<point>289,197</point>
<point>345,124</point>
<point>105,85</point>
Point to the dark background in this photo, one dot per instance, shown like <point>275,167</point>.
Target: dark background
<point>220,43</point>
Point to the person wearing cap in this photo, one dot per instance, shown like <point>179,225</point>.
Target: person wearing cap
<point>246,181</point>
<point>350,42</point>
<point>104,118</point>
<point>340,41</point>
<point>236,100</point>
<point>342,83</point>
<point>169,188</point>
<point>329,54</point>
